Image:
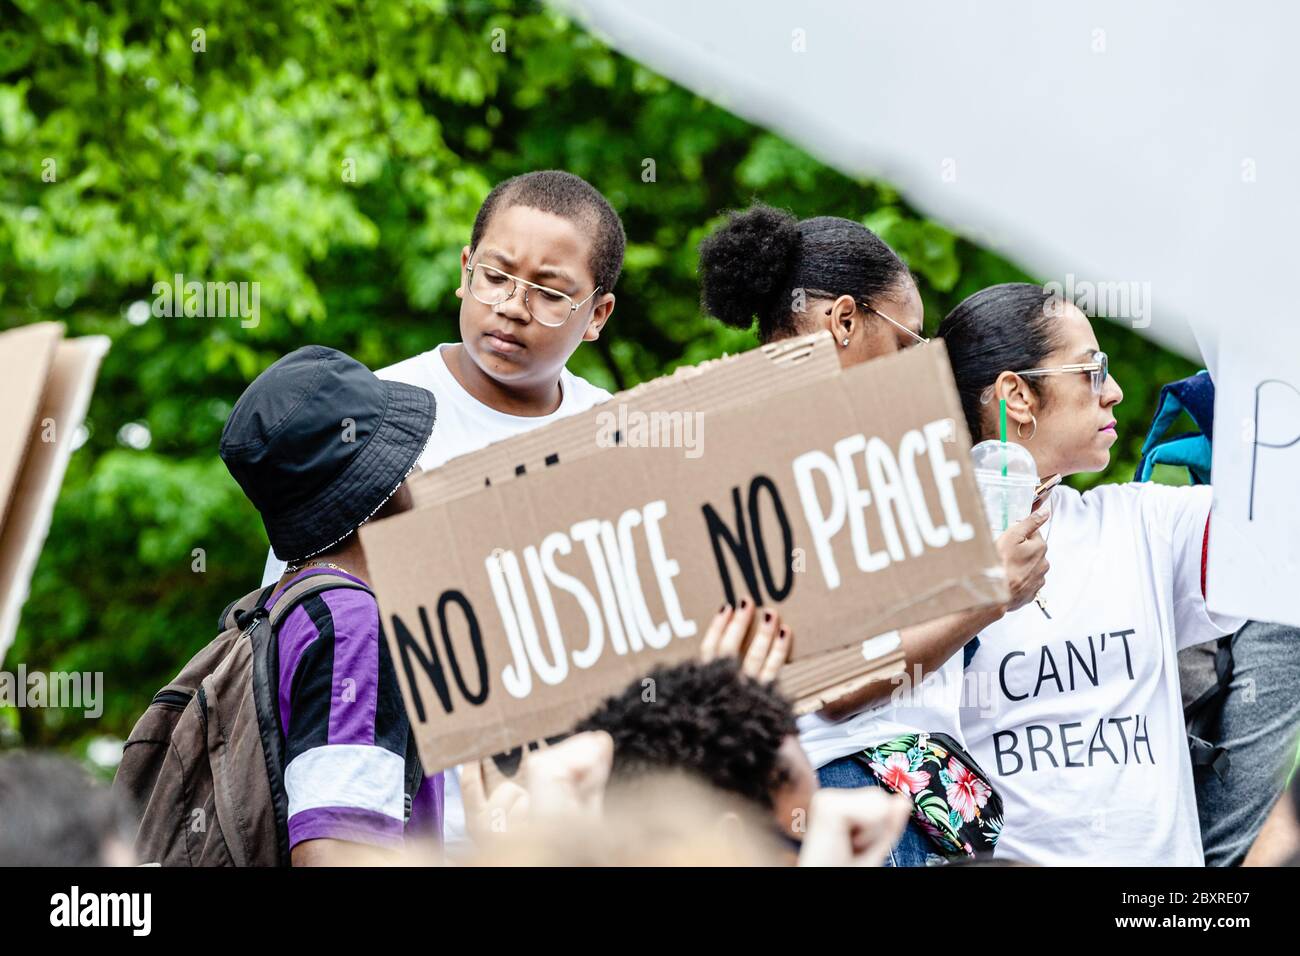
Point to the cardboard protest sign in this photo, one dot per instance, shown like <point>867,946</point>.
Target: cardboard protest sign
<point>26,355</point>
<point>675,404</point>
<point>1255,532</point>
<point>45,386</point>
<point>847,499</point>
<point>812,682</point>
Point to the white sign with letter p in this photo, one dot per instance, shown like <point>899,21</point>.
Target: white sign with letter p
<point>1254,561</point>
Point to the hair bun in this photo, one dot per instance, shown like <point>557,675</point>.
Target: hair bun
<point>746,262</point>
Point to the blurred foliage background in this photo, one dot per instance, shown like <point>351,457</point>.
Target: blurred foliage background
<point>336,153</point>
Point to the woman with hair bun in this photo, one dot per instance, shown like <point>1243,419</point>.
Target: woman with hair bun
<point>801,276</point>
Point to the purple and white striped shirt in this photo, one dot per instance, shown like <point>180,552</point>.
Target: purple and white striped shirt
<point>345,727</point>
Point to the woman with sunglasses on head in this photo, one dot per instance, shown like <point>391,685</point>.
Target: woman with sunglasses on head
<point>802,276</point>
<point>1079,717</point>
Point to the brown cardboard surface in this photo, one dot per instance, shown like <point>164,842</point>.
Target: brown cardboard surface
<point>721,383</point>
<point>61,399</point>
<point>26,354</point>
<point>492,599</point>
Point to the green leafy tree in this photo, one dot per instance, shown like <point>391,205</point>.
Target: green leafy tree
<point>335,153</point>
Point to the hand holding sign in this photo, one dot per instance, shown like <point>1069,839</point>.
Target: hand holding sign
<point>768,649</point>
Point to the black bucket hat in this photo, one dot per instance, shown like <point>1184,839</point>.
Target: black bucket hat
<point>318,443</point>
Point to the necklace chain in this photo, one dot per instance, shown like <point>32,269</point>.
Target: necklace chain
<point>316,564</point>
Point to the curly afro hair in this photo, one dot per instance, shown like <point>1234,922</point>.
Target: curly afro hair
<point>706,719</point>
<point>752,265</point>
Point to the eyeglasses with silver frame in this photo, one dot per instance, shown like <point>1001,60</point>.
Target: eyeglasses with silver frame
<point>495,287</point>
<point>916,339</point>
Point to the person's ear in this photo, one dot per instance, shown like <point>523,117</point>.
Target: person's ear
<point>599,316</point>
<point>1021,401</point>
<point>464,262</point>
<point>841,318</point>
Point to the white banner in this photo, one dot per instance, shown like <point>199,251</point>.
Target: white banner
<point>1254,568</point>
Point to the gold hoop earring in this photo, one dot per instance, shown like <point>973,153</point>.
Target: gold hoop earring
<point>1032,433</point>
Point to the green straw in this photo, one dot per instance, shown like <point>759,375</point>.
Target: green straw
<point>1002,427</point>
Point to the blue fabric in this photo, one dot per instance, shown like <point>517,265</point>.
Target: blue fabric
<point>1192,452</point>
<point>1194,397</point>
<point>914,848</point>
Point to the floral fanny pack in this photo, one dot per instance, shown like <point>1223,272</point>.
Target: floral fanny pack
<point>953,800</point>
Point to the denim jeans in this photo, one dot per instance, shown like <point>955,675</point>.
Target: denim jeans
<point>915,848</point>
<point>1258,726</point>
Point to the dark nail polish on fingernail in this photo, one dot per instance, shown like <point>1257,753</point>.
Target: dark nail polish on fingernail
<point>767,617</point>
<point>744,603</point>
<point>725,607</point>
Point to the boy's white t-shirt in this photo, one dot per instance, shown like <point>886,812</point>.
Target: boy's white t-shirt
<point>464,424</point>
<point>1077,718</point>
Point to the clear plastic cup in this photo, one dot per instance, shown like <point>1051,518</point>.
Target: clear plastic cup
<point>1007,498</point>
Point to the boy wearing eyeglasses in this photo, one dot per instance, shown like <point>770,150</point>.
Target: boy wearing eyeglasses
<point>537,280</point>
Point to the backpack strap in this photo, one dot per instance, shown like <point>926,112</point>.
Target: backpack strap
<point>414,774</point>
<point>242,606</point>
<point>266,664</point>
<point>1202,712</point>
<point>261,629</point>
<point>312,584</point>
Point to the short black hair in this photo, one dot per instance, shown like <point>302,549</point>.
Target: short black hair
<point>706,719</point>
<point>752,264</point>
<point>568,196</point>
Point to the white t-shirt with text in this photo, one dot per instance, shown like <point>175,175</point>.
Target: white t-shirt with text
<point>1076,713</point>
